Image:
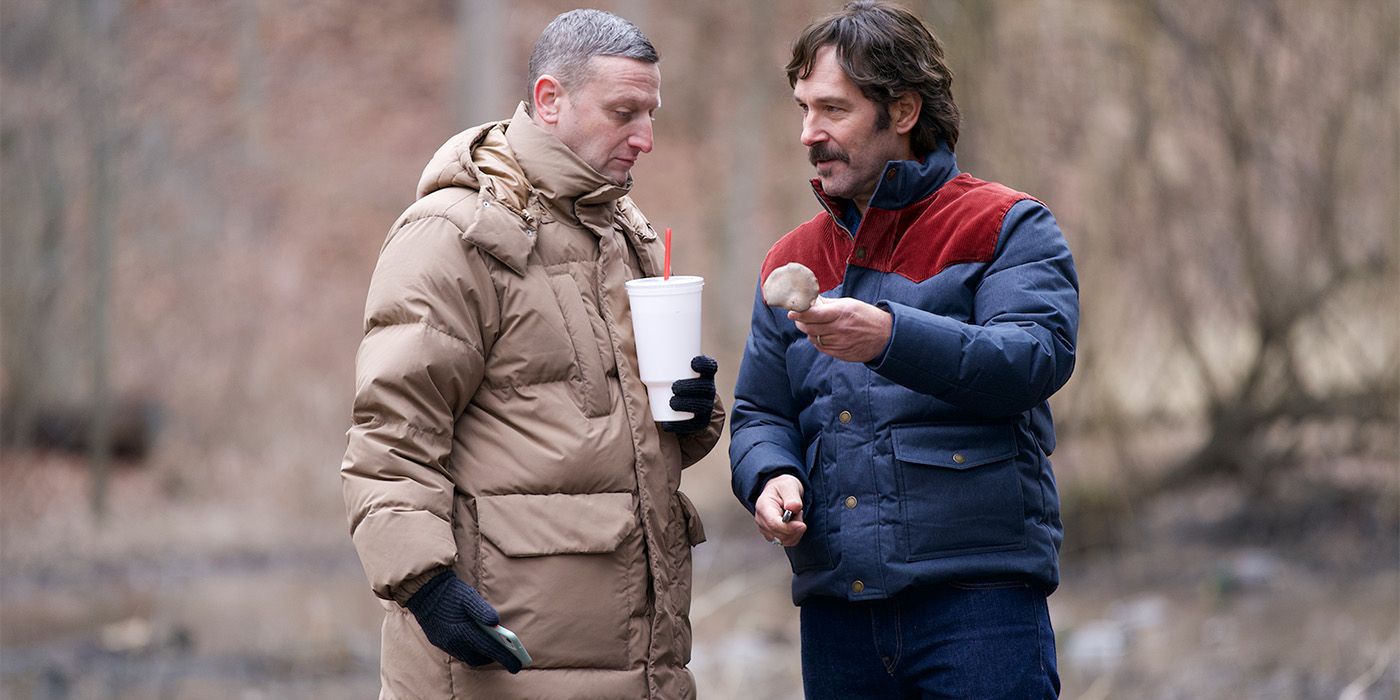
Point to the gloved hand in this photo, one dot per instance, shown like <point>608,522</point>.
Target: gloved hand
<point>448,610</point>
<point>695,395</point>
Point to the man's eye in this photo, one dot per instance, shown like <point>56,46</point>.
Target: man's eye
<point>834,110</point>
<point>624,114</point>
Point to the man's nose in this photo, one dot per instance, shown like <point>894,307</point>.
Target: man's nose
<point>812,133</point>
<point>642,137</point>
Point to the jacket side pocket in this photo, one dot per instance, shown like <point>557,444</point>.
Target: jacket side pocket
<point>813,551</point>
<point>563,572</point>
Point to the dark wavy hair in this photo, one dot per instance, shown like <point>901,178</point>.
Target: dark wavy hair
<point>886,51</point>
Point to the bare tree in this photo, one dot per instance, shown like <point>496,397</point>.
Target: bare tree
<point>1262,128</point>
<point>481,89</point>
<point>1226,175</point>
<point>97,104</point>
<point>252,88</point>
<point>30,254</point>
<point>740,243</point>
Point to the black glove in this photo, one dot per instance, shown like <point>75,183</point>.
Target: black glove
<point>448,610</point>
<point>694,396</point>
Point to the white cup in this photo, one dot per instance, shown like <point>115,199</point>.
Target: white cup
<point>666,324</point>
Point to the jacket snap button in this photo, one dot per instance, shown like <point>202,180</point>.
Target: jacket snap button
<point>860,253</point>
<point>857,586</point>
<point>889,174</point>
<point>850,502</point>
<point>845,417</point>
<point>958,458</point>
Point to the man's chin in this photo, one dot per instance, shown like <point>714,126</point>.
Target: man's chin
<point>832,186</point>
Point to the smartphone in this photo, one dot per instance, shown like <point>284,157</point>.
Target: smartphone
<point>508,640</point>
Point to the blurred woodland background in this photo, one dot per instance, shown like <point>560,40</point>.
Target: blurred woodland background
<point>193,195</point>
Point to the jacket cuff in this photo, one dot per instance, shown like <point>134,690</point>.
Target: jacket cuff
<point>402,592</point>
<point>775,463</point>
<point>401,549</point>
<point>694,446</point>
<point>880,359</point>
<point>767,475</point>
<point>920,344</point>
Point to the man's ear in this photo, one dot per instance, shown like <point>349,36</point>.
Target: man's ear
<point>548,95</point>
<point>904,111</point>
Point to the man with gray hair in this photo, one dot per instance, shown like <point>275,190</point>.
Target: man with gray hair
<point>505,480</point>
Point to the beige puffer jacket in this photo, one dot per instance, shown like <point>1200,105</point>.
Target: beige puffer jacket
<point>501,429</point>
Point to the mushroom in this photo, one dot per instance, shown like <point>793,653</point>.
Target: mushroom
<point>791,286</point>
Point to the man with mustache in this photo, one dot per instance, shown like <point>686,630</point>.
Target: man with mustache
<point>504,468</point>
<point>895,437</point>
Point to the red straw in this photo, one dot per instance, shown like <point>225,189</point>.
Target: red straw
<point>666,267</point>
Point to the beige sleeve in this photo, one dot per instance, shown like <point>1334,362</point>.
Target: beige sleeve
<point>431,302</point>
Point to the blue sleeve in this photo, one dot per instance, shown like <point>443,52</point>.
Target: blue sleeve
<point>766,438</point>
<point>1019,347</point>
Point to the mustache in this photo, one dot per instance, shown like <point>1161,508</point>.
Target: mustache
<point>826,151</point>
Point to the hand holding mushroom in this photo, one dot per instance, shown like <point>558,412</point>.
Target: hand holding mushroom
<point>844,328</point>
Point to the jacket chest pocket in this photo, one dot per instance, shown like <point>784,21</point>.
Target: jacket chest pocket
<point>590,384</point>
<point>960,489</point>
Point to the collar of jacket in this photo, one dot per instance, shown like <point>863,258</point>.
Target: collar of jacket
<point>563,180</point>
<point>525,175</point>
<point>903,183</point>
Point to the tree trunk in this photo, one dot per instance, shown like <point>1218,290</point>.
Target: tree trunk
<point>101,17</point>
<point>482,93</point>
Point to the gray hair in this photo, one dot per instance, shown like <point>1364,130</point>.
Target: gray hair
<point>566,45</point>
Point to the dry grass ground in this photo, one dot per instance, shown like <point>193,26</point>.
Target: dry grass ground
<point>183,597</point>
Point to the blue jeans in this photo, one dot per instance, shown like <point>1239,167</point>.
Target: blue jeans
<point>957,641</point>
